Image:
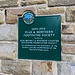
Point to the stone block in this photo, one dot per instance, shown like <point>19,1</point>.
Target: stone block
<point>68,29</point>
<point>68,57</point>
<point>1,17</point>
<point>8,50</point>
<point>13,13</point>
<point>61,2</point>
<point>16,67</point>
<point>51,11</point>
<point>68,39</point>
<point>68,49</point>
<point>9,3</point>
<point>31,2</point>
<point>70,14</point>
<point>66,68</point>
<point>8,32</point>
<point>42,68</point>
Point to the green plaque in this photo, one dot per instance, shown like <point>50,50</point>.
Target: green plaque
<point>39,37</point>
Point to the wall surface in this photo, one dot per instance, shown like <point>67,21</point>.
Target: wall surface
<point>9,12</point>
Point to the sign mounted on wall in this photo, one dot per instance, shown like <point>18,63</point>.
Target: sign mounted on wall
<point>39,37</point>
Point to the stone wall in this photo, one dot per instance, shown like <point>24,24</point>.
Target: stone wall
<point>9,12</point>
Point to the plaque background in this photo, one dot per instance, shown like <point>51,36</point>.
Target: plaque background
<point>48,22</point>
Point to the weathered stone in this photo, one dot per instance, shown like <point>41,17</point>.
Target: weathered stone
<point>8,3</point>
<point>31,2</point>
<point>7,47</point>
<point>68,39</point>
<point>8,32</point>
<point>8,55</point>
<point>54,67</point>
<point>12,14</point>
<point>18,74</point>
<point>66,68</point>
<point>74,28</point>
<point>1,17</point>
<point>63,18</point>
<point>42,68</point>
<point>8,50</point>
<point>68,48</point>
<point>68,57</point>
<point>0,66</point>
<point>1,9</point>
<point>67,29</point>
<point>70,14</point>
<point>41,6</point>
<point>16,67</point>
<point>4,74</point>
<point>50,11</point>
<point>61,2</point>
